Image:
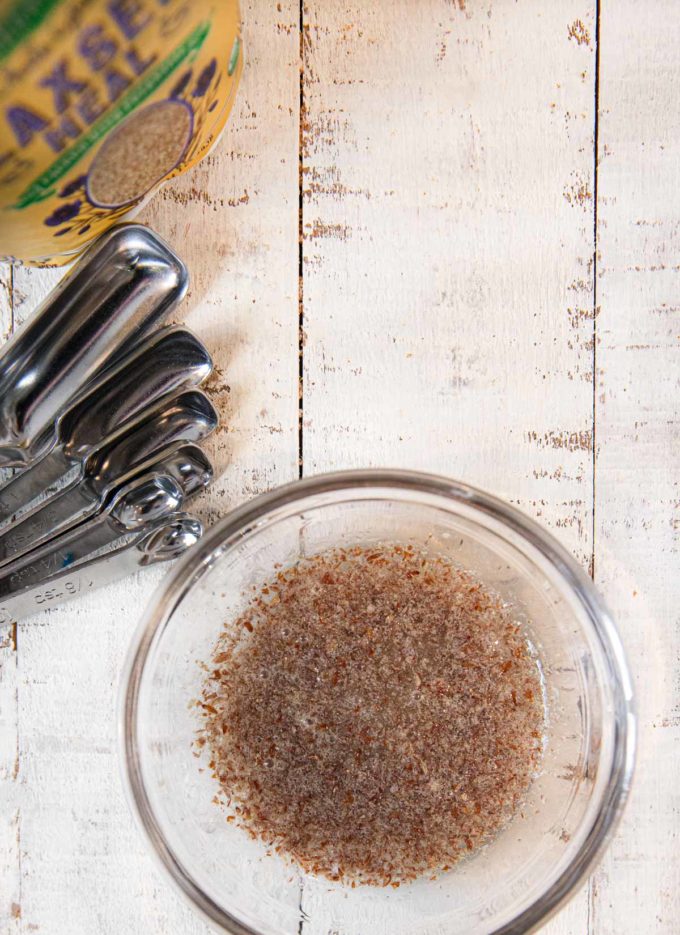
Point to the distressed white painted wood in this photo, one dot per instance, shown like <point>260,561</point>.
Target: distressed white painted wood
<point>9,844</point>
<point>448,224</point>
<point>71,861</point>
<point>5,301</point>
<point>448,310</point>
<point>637,544</point>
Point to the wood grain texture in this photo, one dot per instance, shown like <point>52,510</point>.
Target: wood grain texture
<point>6,274</point>
<point>9,710</point>
<point>448,225</point>
<point>637,504</point>
<point>450,320</point>
<point>71,861</point>
<point>448,245</point>
<point>29,288</point>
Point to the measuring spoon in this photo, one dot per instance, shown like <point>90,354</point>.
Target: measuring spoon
<point>164,362</point>
<point>159,541</point>
<point>123,286</point>
<point>170,480</point>
<point>149,498</point>
<point>189,416</point>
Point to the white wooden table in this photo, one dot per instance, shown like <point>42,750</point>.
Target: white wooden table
<point>449,241</point>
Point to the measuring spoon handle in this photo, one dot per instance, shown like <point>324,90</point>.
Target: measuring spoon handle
<point>23,488</point>
<point>69,506</point>
<point>148,499</point>
<point>123,286</point>
<point>159,542</point>
<point>166,362</point>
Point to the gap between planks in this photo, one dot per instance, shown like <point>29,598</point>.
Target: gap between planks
<point>591,888</point>
<point>596,158</point>
<point>301,307</point>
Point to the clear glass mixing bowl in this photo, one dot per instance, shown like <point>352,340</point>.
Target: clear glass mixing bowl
<point>511,885</point>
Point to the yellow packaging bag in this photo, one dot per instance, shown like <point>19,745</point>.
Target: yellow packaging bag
<point>100,102</point>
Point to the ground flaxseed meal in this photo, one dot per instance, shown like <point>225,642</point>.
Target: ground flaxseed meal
<point>374,715</point>
<point>140,152</point>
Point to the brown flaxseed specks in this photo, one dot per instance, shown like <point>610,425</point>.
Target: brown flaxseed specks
<point>374,715</point>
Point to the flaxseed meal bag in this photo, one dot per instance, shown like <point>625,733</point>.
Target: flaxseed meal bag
<point>100,102</point>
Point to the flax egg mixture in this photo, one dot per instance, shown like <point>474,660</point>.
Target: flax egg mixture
<point>373,715</point>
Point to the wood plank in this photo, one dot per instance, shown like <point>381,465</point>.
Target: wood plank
<point>637,436</point>
<point>5,301</point>
<point>447,285</point>
<point>10,834</point>
<point>234,220</point>
<point>448,243</point>
<point>29,287</point>
<point>9,715</point>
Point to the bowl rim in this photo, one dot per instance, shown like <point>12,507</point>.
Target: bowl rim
<point>243,519</point>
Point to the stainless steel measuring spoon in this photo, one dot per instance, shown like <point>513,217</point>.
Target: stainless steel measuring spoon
<point>121,288</point>
<point>164,362</point>
<point>160,541</point>
<point>165,487</point>
<point>190,416</point>
<point>145,500</point>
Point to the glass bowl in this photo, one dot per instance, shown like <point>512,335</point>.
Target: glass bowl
<point>512,884</point>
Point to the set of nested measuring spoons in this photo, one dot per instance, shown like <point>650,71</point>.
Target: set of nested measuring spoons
<point>100,415</point>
